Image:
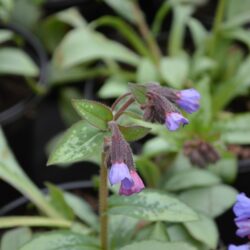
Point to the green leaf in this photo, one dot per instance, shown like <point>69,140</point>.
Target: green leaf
<point>151,206</point>
<point>133,133</point>
<point>174,70</point>
<point>204,230</point>
<point>146,71</point>
<point>16,62</point>
<point>124,8</point>
<point>5,35</point>
<point>15,238</point>
<point>191,178</point>
<point>212,201</point>
<point>58,202</point>
<point>113,87</point>
<point>139,92</point>
<point>149,171</point>
<point>82,209</point>
<point>79,143</point>
<point>95,113</point>
<point>83,45</point>
<point>159,232</point>
<point>61,241</point>
<point>121,230</point>
<point>235,129</point>
<point>153,244</point>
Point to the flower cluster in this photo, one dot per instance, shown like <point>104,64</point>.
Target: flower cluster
<point>120,163</point>
<point>163,104</point>
<point>242,220</point>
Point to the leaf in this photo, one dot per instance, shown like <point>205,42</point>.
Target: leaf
<point>15,62</point>
<point>139,92</point>
<point>121,230</point>
<point>151,206</point>
<point>61,241</point>
<point>15,238</point>
<point>204,230</point>
<point>134,133</point>
<point>149,171</point>
<point>191,178</point>
<point>153,244</point>
<point>79,143</point>
<point>82,209</point>
<point>95,113</point>
<point>212,201</point>
<point>58,202</point>
<point>146,71</point>
<point>174,70</point>
<point>5,35</point>
<point>83,45</point>
<point>124,8</point>
<point>159,232</point>
<point>112,88</point>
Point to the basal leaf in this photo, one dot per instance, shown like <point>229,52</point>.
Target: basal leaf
<point>147,71</point>
<point>151,206</point>
<point>79,143</point>
<point>133,133</point>
<point>95,113</point>
<point>139,92</point>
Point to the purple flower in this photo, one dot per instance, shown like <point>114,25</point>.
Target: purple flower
<point>188,100</point>
<point>135,188</point>
<point>243,227</point>
<point>242,247</point>
<point>174,120</point>
<point>119,172</point>
<point>242,207</point>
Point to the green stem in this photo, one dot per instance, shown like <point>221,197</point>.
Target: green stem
<point>216,26</point>
<point>146,33</point>
<point>103,204</point>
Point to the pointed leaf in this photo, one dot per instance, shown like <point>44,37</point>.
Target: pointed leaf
<point>147,71</point>
<point>151,206</point>
<point>139,92</point>
<point>79,143</point>
<point>95,113</point>
<point>159,232</point>
<point>133,133</point>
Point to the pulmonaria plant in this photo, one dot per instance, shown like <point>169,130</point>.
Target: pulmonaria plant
<point>242,220</point>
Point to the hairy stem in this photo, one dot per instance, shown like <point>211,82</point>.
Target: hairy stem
<point>123,108</point>
<point>118,100</point>
<point>146,34</point>
<point>103,204</point>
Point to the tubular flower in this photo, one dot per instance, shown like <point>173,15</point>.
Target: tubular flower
<point>188,100</point>
<point>174,120</point>
<point>242,212</point>
<point>137,186</point>
<point>242,247</point>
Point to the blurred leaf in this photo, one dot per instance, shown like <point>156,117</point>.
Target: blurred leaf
<point>236,129</point>
<point>61,241</point>
<point>159,232</point>
<point>174,70</point>
<point>151,206</point>
<point>133,133</point>
<point>79,143</point>
<point>82,209</point>
<point>83,45</point>
<point>58,202</point>
<point>153,244</point>
<point>16,62</point>
<point>213,201</point>
<point>121,230</point>
<point>112,88</point>
<point>204,230</point>
<point>239,34</point>
<point>202,65</point>
<point>149,171</point>
<point>190,178</point>
<point>15,238</point>
<point>72,17</point>
<point>67,111</point>
<point>124,8</point>
<point>226,168</point>
<point>5,35</point>
<point>97,114</point>
<point>146,72</point>
<point>139,92</point>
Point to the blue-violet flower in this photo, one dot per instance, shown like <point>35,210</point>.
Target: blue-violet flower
<point>173,120</point>
<point>242,247</point>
